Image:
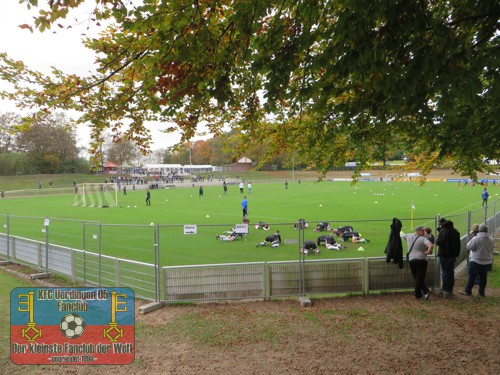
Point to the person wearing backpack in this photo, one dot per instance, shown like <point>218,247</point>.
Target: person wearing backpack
<point>449,244</point>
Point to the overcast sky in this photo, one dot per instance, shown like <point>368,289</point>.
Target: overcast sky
<point>62,49</point>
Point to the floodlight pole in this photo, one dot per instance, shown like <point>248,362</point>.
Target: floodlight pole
<point>190,162</point>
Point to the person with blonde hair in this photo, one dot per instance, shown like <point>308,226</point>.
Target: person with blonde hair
<point>419,248</point>
<point>474,231</point>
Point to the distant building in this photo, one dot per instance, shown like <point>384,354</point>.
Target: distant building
<point>243,164</point>
<point>110,168</point>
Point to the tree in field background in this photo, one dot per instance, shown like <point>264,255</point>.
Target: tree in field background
<point>49,146</point>
<point>327,81</point>
<point>121,151</point>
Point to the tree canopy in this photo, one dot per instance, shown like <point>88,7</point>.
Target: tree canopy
<point>47,145</point>
<point>328,81</point>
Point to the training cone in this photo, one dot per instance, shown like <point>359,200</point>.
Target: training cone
<point>361,248</point>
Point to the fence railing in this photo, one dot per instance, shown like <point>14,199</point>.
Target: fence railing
<point>238,280</point>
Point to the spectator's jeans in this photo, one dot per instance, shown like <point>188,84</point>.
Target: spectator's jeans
<point>447,273</point>
<point>474,270</point>
<point>418,269</point>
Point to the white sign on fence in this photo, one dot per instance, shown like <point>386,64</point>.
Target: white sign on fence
<point>241,228</point>
<point>190,229</point>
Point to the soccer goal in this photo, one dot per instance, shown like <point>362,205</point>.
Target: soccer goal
<point>96,195</point>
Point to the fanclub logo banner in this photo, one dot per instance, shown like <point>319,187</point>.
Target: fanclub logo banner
<point>72,326</point>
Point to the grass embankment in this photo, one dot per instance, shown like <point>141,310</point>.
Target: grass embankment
<point>394,321</point>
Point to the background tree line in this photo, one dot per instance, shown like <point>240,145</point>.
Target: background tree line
<point>227,148</point>
<point>47,146</point>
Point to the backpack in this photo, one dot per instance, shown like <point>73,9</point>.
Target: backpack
<point>455,240</point>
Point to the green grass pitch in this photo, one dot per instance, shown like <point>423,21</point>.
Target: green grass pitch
<point>368,206</point>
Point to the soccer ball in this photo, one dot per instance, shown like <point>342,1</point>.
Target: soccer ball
<point>275,245</point>
<point>72,326</point>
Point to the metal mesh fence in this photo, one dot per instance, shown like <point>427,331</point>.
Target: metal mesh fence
<point>38,192</point>
<point>481,215</point>
<point>134,242</point>
<point>225,281</point>
<point>205,262</point>
<point>101,270</point>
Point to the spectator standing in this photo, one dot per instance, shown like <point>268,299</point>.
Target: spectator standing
<point>244,206</point>
<point>474,231</point>
<point>485,196</point>
<point>480,260</point>
<point>448,241</point>
<point>418,249</point>
<point>428,234</point>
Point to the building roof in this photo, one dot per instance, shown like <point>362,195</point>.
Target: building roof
<point>244,159</point>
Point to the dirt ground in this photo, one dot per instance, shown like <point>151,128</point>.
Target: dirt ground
<point>374,334</point>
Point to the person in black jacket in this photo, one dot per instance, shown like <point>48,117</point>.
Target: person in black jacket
<point>329,242</point>
<point>394,248</point>
<point>322,226</point>
<point>309,247</point>
<point>346,236</point>
<point>274,239</point>
<point>448,241</point>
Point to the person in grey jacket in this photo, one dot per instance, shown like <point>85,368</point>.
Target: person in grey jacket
<point>418,249</point>
<point>480,250</point>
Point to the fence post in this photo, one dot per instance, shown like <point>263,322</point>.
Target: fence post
<point>156,236</point>
<point>485,214</point>
<point>84,267</point>
<point>46,223</point>
<point>84,254</point>
<point>100,255</point>
<point>469,222</point>
<point>117,272</point>
<point>84,235</point>
<point>494,218</point>
<point>8,236</point>
<point>302,267</point>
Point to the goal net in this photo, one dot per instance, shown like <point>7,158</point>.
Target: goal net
<point>96,195</point>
